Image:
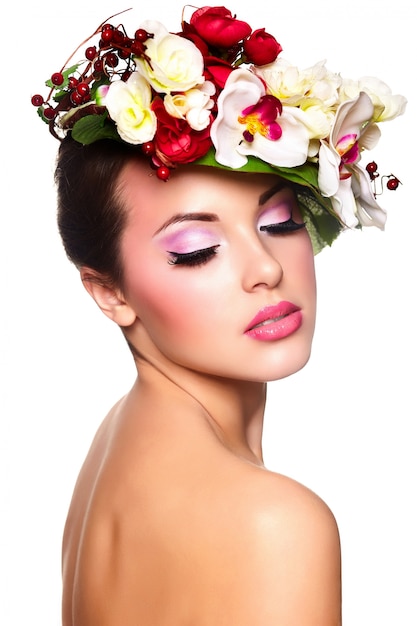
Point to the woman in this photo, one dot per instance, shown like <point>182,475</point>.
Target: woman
<point>210,276</point>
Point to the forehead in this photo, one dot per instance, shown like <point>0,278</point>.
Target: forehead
<point>192,188</point>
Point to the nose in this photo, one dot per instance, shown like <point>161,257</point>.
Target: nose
<point>261,267</point>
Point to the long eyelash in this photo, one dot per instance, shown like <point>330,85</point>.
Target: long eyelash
<point>283,227</point>
<point>197,257</point>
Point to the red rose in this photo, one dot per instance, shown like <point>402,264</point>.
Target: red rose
<point>175,140</point>
<point>261,48</point>
<point>217,71</point>
<point>218,27</point>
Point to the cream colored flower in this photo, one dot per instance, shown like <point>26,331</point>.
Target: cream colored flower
<point>193,105</point>
<point>387,105</point>
<point>290,84</point>
<point>128,104</point>
<point>175,63</point>
<point>314,90</point>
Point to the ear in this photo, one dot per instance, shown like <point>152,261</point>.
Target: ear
<point>108,298</point>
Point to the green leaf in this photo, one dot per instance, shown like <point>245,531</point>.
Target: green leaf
<point>91,128</point>
<point>58,95</point>
<point>306,174</point>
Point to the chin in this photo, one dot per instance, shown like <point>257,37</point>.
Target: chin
<point>286,365</point>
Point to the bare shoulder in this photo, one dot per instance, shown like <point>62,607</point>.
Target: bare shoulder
<point>292,561</point>
<point>289,505</point>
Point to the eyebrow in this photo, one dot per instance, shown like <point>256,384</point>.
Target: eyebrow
<point>188,217</point>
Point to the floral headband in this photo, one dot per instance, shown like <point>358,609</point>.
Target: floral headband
<point>217,93</point>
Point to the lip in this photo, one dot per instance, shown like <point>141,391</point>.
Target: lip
<point>275,322</point>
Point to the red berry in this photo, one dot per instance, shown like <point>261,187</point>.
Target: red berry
<point>118,36</point>
<point>49,113</point>
<point>98,66</point>
<point>111,59</point>
<point>148,148</point>
<point>72,82</point>
<point>163,172</point>
<point>37,100</point>
<point>83,89</point>
<point>107,33</point>
<point>137,48</point>
<point>57,79</point>
<point>141,35</point>
<point>91,53</point>
<point>372,167</point>
<point>124,53</point>
<point>106,38</point>
<point>393,183</point>
<point>76,98</point>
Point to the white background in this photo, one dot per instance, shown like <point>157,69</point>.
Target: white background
<point>344,425</point>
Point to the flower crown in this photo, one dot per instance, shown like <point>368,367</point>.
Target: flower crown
<point>217,93</point>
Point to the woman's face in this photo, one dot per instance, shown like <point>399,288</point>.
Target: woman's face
<point>221,279</point>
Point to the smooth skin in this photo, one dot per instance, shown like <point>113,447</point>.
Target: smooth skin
<point>175,521</point>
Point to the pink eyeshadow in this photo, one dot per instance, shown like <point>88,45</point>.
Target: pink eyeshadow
<point>276,214</point>
<point>189,240</point>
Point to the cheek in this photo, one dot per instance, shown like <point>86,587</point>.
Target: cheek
<point>169,302</point>
<point>301,267</point>
<point>305,263</point>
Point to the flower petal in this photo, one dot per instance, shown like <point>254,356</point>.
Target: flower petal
<point>242,90</point>
<point>344,204</point>
<point>368,210</point>
<point>289,150</point>
<point>328,177</point>
<point>370,137</point>
<point>351,116</point>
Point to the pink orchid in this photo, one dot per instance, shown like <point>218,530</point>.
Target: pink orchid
<point>341,178</point>
<point>250,122</point>
<point>261,118</point>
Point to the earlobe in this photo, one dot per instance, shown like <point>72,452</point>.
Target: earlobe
<point>108,298</point>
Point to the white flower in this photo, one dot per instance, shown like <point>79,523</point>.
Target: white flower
<point>340,177</point>
<point>386,104</point>
<point>232,127</point>
<point>128,104</point>
<point>314,90</point>
<point>175,63</point>
<point>193,105</point>
<point>322,85</point>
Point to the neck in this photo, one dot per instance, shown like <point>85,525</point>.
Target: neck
<point>234,409</point>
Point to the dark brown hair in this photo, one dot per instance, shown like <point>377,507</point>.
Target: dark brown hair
<point>91,216</point>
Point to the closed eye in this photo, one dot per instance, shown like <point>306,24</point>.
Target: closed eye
<point>281,228</point>
<point>192,259</point>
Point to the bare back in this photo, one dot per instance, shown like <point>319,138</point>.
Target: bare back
<point>169,527</point>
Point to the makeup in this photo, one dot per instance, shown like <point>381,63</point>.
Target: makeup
<point>275,322</point>
<point>189,239</point>
<point>280,212</point>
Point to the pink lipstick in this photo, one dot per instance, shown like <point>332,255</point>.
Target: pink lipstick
<point>275,322</point>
